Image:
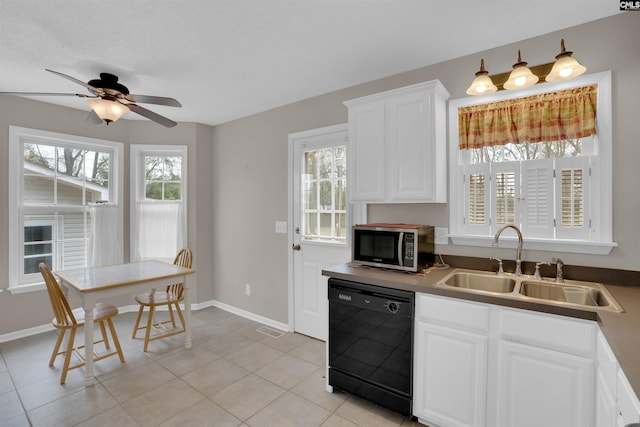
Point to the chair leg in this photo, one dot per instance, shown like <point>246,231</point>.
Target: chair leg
<point>56,348</point>
<point>135,328</point>
<point>116,341</point>
<point>173,319</point>
<point>149,325</point>
<point>105,337</point>
<point>67,356</point>
<point>184,327</point>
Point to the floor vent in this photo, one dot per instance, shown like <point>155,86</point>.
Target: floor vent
<point>270,332</point>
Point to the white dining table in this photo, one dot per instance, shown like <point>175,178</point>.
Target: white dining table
<point>93,284</point>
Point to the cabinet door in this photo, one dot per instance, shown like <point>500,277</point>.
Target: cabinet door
<point>606,408</point>
<point>450,376</point>
<point>410,147</point>
<point>365,153</point>
<point>628,403</point>
<point>538,387</point>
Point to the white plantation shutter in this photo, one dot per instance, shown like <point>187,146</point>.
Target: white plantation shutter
<point>572,187</point>
<point>505,193</point>
<point>537,198</point>
<point>477,212</point>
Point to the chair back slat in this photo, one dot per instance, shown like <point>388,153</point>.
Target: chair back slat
<point>183,259</point>
<point>61,309</point>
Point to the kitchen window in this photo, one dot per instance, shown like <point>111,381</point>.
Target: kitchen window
<point>158,201</point>
<point>57,185</point>
<point>549,173</point>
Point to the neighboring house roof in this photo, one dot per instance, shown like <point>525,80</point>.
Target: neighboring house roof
<point>101,192</point>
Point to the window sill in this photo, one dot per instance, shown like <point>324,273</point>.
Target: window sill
<point>570,246</point>
<point>23,289</point>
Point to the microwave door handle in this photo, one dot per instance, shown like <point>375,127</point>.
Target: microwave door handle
<point>400,244</point>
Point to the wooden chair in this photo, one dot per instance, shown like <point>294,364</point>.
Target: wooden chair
<point>171,297</point>
<point>67,319</point>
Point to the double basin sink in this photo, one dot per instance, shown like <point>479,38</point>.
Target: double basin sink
<point>569,293</point>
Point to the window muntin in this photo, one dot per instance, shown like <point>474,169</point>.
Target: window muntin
<point>324,203</point>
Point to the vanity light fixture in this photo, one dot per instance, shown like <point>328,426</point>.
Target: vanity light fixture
<point>482,84</point>
<point>108,110</point>
<point>521,76</point>
<point>566,67</point>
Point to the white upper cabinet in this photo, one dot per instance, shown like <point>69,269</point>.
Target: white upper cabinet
<point>397,145</point>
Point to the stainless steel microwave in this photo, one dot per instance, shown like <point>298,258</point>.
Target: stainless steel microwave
<point>404,247</point>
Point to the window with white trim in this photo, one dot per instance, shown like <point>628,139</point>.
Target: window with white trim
<point>54,181</point>
<point>557,191</point>
<point>158,201</point>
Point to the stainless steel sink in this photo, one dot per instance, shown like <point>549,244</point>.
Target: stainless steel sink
<point>570,293</point>
<point>592,295</point>
<point>481,282</point>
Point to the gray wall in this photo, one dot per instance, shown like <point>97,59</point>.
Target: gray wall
<point>250,163</point>
<point>238,187</point>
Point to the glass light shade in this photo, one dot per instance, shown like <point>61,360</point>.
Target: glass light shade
<point>565,68</point>
<point>482,84</point>
<point>107,110</point>
<point>520,78</point>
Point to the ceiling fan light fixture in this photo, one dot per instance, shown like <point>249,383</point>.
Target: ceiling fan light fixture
<point>566,67</point>
<point>108,110</point>
<point>521,76</point>
<point>482,84</point>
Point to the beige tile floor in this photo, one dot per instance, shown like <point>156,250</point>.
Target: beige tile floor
<point>233,376</point>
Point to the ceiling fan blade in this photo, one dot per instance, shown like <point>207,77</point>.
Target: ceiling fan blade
<point>46,94</point>
<point>151,115</point>
<point>159,100</point>
<point>93,118</point>
<point>73,79</point>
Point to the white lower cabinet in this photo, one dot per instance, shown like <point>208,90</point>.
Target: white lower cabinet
<point>540,387</point>
<point>450,362</point>
<point>480,365</point>
<point>451,390</point>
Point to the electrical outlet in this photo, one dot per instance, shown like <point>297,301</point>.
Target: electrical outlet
<point>247,290</point>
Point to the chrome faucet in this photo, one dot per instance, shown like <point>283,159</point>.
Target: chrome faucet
<point>518,271</point>
<point>559,264</point>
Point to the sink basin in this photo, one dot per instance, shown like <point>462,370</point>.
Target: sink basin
<point>573,294</point>
<point>480,282</point>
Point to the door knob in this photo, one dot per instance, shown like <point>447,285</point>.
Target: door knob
<point>295,247</point>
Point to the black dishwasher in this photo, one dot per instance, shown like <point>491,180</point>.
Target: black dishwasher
<point>371,343</point>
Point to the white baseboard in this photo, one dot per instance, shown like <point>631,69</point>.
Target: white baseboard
<point>248,315</point>
<point>10,336</point>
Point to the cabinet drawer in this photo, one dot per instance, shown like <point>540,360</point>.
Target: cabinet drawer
<point>548,331</point>
<point>452,312</point>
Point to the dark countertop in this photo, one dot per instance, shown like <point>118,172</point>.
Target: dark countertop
<point>622,330</point>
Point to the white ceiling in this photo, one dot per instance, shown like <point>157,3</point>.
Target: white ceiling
<point>229,59</point>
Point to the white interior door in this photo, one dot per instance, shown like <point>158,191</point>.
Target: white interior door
<point>321,223</point>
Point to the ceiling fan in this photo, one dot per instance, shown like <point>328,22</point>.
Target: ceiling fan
<point>110,100</point>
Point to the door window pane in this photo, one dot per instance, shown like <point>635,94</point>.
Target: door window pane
<point>324,201</point>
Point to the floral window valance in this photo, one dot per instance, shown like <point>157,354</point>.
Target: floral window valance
<point>554,116</point>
